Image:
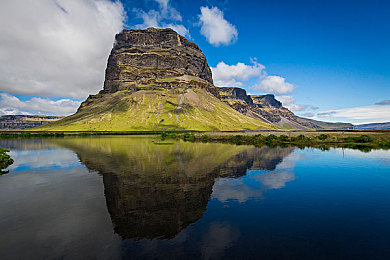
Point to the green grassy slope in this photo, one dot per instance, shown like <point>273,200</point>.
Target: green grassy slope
<point>161,109</point>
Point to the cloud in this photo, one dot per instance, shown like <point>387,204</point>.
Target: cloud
<point>308,115</point>
<point>215,28</point>
<point>11,105</point>
<point>43,159</point>
<point>326,114</point>
<point>56,48</point>
<point>234,75</point>
<point>289,102</point>
<point>274,84</point>
<point>226,189</point>
<point>241,74</point>
<point>384,102</point>
<point>165,17</point>
<point>368,114</point>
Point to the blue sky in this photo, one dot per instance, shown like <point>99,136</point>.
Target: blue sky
<point>328,60</point>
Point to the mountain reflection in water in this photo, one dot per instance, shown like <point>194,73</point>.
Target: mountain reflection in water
<point>63,197</point>
<point>155,191</point>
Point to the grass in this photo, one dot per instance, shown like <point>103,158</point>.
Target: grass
<point>5,160</point>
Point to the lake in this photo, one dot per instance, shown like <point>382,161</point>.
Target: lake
<point>135,197</point>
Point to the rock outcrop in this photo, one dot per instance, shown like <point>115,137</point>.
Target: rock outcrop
<point>153,58</point>
<point>268,109</point>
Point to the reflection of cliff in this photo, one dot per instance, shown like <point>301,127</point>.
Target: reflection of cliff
<point>155,191</point>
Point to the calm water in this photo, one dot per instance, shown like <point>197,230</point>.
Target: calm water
<point>127,197</point>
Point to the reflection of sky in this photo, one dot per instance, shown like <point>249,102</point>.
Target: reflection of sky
<point>43,159</point>
<point>55,214</point>
<point>380,155</point>
<point>256,182</point>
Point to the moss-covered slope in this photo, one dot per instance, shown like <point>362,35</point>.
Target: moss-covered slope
<point>159,109</point>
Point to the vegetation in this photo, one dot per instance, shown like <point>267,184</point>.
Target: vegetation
<point>5,160</point>
<point>156,110</point>
<point>323,141</point>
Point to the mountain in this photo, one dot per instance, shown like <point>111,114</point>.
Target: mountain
<point>373,126</point>
<point>158,80</point>
<point>267,109</point>
<point>20,122</point>
<point>170,184</point>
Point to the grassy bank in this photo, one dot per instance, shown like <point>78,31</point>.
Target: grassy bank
<point>323,140</point>
<point>25,134</point>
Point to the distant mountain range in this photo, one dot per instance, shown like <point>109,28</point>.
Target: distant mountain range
<point>20,122</point>
<point>373,126</point>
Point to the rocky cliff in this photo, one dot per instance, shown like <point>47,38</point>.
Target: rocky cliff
<point>20,122</point>
<point>158,80</point>
<point>267,109</point>
<point>148,58</point>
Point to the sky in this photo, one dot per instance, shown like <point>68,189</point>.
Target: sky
<point>327,60</point>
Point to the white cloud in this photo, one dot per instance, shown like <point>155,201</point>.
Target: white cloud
<point>179,28</point>
<point>233,75</point>
<point>165,17</point>
<point>365,114</point>
<point>286,100</point>
<point>289,102</point>
<point>275,85</point>
<point>56,48</point>
<point>11,105</point>
<point>43,158</point>
<point>215,28</point>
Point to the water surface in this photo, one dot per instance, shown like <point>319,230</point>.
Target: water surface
<point>128,197</point>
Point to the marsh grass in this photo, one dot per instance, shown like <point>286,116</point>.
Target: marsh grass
<point>322,141</point>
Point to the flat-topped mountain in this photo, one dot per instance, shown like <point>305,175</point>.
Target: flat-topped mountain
<point>147,58</point>
<point>158,80</point>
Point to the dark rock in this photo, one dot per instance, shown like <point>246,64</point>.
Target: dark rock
<point>141,57</point>
<point>266,101</point>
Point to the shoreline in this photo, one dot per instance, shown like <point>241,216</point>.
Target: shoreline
<point>376,139</point>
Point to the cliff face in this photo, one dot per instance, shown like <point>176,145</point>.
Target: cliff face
<point>158,80</point>
<point>140,58</point>
<point>20,122</point>
<point>261,107</point>
<point>267,109</point>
